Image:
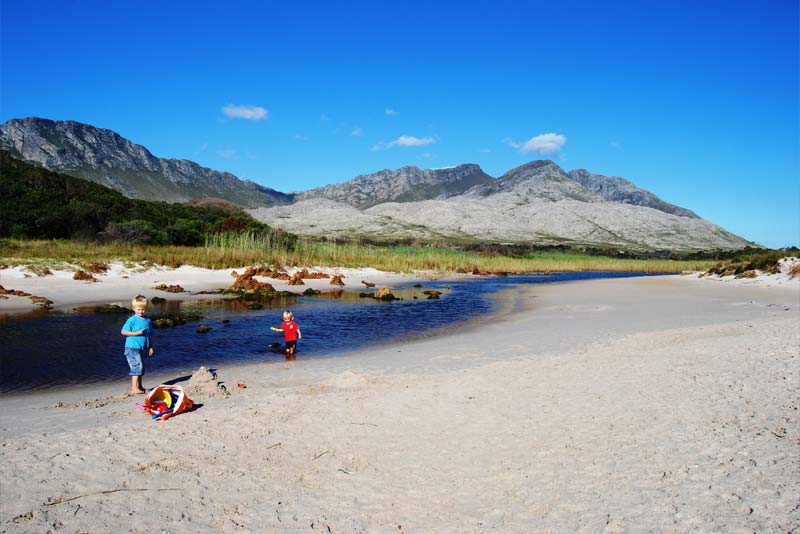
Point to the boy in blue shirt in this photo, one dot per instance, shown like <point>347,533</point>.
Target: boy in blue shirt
<point>137,342</point>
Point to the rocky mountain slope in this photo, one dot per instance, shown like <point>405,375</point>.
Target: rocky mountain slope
<point>544,180</point>
<point>615,189</point>
<point>105,157</point>
<point>407,184</point>
<point>503,218</point>
<point>535,203</point>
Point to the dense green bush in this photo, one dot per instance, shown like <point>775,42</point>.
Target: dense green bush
<point>39,204</point>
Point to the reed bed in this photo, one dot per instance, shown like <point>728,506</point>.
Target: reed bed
<point>225,251</point>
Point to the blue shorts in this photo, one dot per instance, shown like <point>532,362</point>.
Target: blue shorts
<point>135,359</point>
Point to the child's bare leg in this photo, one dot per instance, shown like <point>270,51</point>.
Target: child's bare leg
<point>136,385</point>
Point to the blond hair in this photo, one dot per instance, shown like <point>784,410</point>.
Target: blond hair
<point>288,315</point>
<point>139,301</point>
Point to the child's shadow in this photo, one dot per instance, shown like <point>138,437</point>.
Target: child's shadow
<point>177,380</point>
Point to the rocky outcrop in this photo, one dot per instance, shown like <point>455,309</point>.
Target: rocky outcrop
<point>107,158</point>
<point>246,281</point>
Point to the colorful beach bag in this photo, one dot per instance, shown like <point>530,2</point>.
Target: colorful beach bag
<point>165,401</point>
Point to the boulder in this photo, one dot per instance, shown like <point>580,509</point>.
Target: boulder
<point>296,279</point>
<point>170,289</point>
<point>83,275</point>
<point>384,294</point>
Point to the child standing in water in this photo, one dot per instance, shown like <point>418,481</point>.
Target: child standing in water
<point>137,342</point>
<point>291,333</point>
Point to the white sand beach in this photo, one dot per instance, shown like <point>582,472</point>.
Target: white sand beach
<point>665,404</point>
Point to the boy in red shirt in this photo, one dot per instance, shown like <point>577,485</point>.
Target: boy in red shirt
<point>291,333</point>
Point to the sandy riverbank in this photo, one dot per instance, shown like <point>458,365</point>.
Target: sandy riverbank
<point>662,404</point>
<point>120,283</point>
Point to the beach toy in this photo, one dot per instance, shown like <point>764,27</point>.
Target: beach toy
<point>160,395</point>
<point>241,385</point>
<point>163,396</point>
<point>167,412</point>
<point>141,406</point>
<point>274,328</point>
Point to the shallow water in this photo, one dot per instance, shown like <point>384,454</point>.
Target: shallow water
<point>83,347</point>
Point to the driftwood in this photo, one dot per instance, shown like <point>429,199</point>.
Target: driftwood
<point>110,491</point>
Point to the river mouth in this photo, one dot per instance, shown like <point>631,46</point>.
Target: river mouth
<point>43,350</point>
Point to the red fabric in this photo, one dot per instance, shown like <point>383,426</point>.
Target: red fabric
<point>289,330</point>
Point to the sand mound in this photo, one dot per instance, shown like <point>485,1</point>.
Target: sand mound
<point>203,385</point>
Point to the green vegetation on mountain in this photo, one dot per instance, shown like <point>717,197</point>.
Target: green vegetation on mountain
<point>39,204</point>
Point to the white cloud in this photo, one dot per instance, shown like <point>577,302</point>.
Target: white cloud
<point>405,140</point>
<point>228,153</point>
<point>410,140</point>
<point>390,111</point>
<point>358,132</point>
<point>300,137</point>
<point>485,150</point>
<point>324,118</point>
<point>616,145</point>
<point>251,113</point>
<point>549,143</point>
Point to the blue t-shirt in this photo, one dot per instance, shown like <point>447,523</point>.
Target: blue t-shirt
<point>134,324</point>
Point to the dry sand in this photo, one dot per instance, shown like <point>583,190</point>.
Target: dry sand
<point>640,405</point>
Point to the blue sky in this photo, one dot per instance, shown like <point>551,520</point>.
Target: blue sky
<point>696,101</point>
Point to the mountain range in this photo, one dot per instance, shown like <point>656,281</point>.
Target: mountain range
<point>538,202</point>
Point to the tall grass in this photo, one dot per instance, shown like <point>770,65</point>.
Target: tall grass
<point>230,250</point>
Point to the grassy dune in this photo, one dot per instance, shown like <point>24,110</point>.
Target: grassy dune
<point>229,251</point>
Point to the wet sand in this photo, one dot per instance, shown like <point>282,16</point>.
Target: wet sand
<point>661,404</point>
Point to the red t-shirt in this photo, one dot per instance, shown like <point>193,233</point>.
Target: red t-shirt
<point>289,330</point>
